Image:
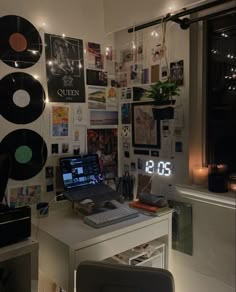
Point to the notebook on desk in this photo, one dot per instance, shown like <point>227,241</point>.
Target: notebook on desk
<point>82,179</point>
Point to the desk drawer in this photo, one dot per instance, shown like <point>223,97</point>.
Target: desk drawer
<point>121,243</point>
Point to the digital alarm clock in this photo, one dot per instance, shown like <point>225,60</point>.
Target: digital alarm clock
<point>160,167</point>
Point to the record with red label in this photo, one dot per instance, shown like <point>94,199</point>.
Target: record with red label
<point>21,44</point>
<point>28,153</point>
<point>22,98</point>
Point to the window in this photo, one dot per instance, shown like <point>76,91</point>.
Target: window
<point>221,91</point>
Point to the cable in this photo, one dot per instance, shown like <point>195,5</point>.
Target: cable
<point>144,188</point>
<point>44,211</point>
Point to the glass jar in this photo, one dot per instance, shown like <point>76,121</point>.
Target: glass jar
<point>218,178</point>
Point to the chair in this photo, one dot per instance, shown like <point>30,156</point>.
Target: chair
<point>93,276</point>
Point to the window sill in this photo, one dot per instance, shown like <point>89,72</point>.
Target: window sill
<point>200,194</point>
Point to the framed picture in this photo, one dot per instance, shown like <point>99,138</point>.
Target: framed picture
<point>145,127</point>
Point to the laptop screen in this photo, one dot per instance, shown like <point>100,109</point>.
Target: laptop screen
<point>80,171</point>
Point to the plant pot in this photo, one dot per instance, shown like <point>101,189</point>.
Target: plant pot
<point>164,110</point>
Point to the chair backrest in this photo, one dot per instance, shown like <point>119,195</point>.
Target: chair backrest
<point>105,277</point>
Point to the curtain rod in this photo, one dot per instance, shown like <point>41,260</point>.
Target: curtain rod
<point>175,17</point>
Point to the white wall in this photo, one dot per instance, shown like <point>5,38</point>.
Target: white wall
<point>76,18</point>
<point>81,19</point>
<point>212,265</point>
<point>127,13</point>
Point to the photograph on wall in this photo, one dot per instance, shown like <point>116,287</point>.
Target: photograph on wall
<point>177,72</point>
<point>126,93</point>
<point>104,143</point>
<point>164,72</point>
<point>125,133</point>
<point>134,72</point>
<point>126,149</point>
<point>126,55</point>
<point>76,149</point>
<point>49,172</point>
<point>157,53</point>
<point>80,114</point>
<point>79,137</point>
<point>126,113</point>
<point>65,147</point>
<point>60,121</point>
<point>76,134</point>
<point>94,56</point>
<point>24,196</point>
<point>155,74</point>
<point>145,127</point>
<point>64,67</point>
<point>145,76</point>
<point>96,98</point>
<point>95,77</point>
<point>112,98</point>
<point>98,117</point>
<point>123,78</point>
<point>138,52</point>
<point>140,93</point>
<point>133,166</point>
<point>49,185</point>
<point>54,148</point>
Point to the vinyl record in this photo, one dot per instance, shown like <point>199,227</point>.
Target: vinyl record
<point>22,98</point>
<point>28,153</point>
<point>21,44</point>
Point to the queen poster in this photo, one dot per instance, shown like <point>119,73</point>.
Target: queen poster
<point>65,69</point>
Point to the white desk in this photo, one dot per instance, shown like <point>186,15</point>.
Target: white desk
<point>65,241</point>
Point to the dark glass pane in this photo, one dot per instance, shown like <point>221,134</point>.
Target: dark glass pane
<point>221,91</point>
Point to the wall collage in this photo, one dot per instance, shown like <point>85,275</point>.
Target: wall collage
<point>95,100</point>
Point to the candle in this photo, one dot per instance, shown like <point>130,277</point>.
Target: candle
<point>200,176</point>
<point>232,182</point>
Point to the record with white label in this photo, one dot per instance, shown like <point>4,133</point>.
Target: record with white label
<point>28,153</point>
<point>22,98</point>
<point>21,44</point>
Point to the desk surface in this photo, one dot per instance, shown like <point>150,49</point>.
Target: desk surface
<point>67,227</point>
<point>65,240</point>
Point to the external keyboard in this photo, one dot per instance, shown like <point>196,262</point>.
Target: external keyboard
<point>110,217</point>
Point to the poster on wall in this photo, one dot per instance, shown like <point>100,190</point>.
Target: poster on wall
<point>145,126</point>
<point>65,69</point>
<point>96,98</point>
<point>100,117</point>
<point>94,56</point>
<point>112,98</point>
<point>80,114</point>
<point>24,196</point>
<point>177,72</point>
<point>95,77</point>
<point>104,143</point>
<point>60,121</point>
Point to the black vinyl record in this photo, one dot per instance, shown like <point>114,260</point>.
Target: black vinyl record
<point>22,98</point>
<point>28,153</point>
<point>21,44</point>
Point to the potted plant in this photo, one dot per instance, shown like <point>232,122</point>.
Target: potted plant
<point>162,93</point>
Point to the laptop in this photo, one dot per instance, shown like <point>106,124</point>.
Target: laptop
<point>82,179</point>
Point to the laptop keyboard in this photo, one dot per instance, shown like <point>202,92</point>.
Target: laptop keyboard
<point>96,193</point>
<point>109,217</point>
